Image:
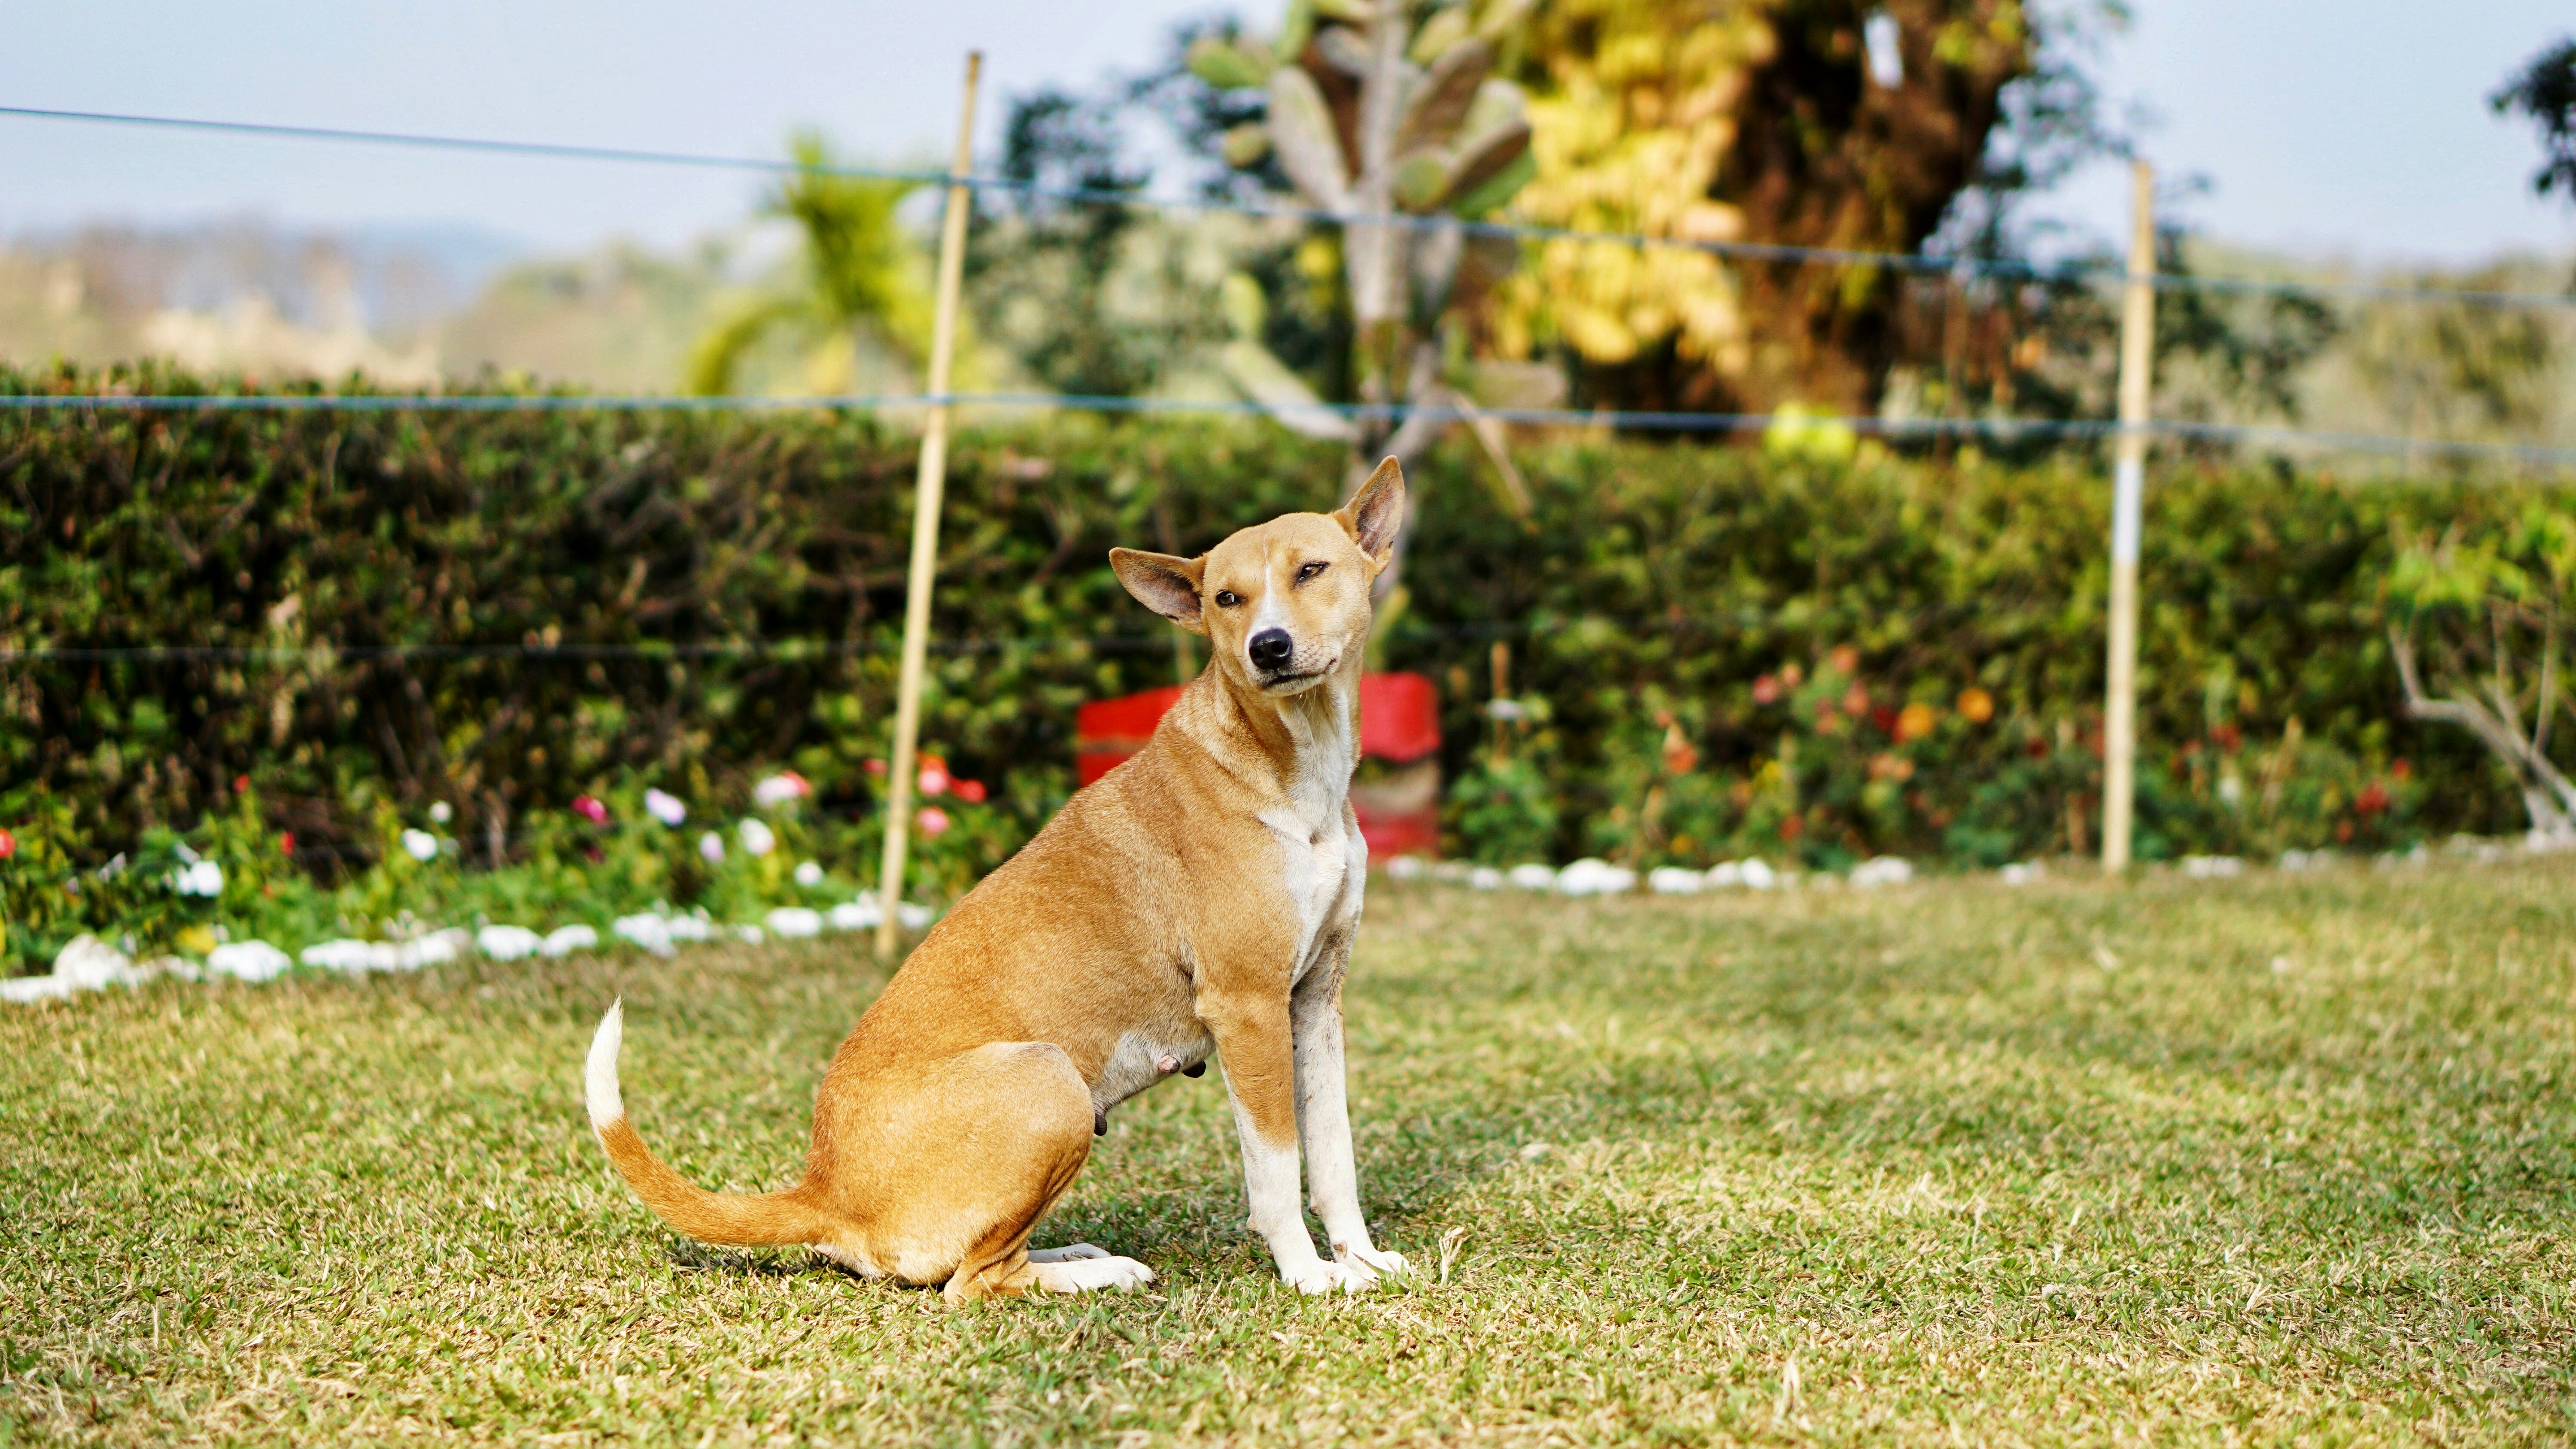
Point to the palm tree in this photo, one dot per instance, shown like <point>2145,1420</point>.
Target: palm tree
<point>863,276</point>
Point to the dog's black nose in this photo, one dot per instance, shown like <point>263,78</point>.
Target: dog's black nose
<point>1270,648</point>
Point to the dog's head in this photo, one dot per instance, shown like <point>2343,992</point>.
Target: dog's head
<point>1285,602</point>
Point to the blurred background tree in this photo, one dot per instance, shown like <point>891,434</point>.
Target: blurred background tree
<point>861,281</point>
<point>1822,123</point>
<point>2545,91</point>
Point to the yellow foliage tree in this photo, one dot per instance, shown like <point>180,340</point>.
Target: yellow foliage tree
<point>1822,123</point>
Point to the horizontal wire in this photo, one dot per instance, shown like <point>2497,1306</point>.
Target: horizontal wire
<point>1738,250</point>
<point>2003,429</point>
<point>793,650</point>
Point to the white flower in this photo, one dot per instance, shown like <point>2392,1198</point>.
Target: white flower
<point>1724,874</point>
<point>420,845</point>
<point>564,940</point>
<point>1669,880</point>
<point>779,789</point>
<point>757,837</point>
<point>809,875</point>
<point>1532,876</point>
<point>198,878</point>
<point>711,845</point>
<point>665,807</point>
<point>1759,875</point>
<point>440,812</point>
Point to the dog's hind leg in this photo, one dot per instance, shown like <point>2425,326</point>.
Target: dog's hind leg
<point>1014,1129</point>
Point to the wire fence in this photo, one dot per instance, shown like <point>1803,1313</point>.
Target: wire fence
<point>1520,231</point>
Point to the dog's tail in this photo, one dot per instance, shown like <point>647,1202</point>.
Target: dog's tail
<point>738,1219</point>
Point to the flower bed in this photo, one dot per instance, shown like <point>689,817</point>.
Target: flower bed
<point>640,868</point>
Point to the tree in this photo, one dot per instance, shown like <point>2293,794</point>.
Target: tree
<point>1376,111</point>
<point>2545,91</point>
<point>861,276</point>
<point>2480,636</point>
<point>1821,123</point>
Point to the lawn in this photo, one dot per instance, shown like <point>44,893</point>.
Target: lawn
<point>2272,1159</point>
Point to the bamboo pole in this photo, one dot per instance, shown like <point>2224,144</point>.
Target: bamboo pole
<point>2129,473</point>
<point>927,488</point>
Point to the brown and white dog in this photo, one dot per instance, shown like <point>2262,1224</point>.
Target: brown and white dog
<point>1201,898</point>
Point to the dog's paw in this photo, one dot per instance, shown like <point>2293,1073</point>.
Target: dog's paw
<point>1375,1262</point>
<point>1325,1277</point>
<point>1091,1274</point>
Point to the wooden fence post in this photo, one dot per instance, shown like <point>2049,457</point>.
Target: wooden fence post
<point>2129,471</point>
<point>928,486</point>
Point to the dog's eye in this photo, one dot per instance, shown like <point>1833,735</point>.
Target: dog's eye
<point>1227,598</point>
<point>1309,571</point>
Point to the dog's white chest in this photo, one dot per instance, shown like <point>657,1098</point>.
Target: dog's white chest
<point>1323,866</point>
<point>1323,863</point>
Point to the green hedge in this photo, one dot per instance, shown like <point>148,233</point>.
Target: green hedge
<point>505,610</point>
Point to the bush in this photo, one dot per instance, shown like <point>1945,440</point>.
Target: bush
<point>364,615</point>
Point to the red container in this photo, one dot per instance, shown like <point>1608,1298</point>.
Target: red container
<point>1399,725</point>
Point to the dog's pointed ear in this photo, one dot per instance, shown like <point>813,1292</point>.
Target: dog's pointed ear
<point>1169,586</point>
<point>1376,513</point>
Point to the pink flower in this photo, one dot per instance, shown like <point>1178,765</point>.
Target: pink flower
<point>589,808</point>
<point>971,791</point>
<point>932,820</point>
<point>934,780</point>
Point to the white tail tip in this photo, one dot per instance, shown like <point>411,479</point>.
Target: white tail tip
<point>599,1076</point>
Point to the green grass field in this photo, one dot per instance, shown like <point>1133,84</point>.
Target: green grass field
<point>2278,1159</point>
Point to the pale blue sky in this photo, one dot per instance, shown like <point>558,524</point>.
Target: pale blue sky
<point>2356,127</point>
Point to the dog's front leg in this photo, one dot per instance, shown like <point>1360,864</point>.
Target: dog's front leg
<point>1254,1046</point>
<point>1324,1117</point>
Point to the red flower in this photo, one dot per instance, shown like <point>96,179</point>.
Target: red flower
<point>241,784</point>
<point>2229,738</point>
<point>1766,690</point>
<point>286,843</point>
<point>1884,718</point>
<point>1793,827</point>
<point>8,845</point>
<point>589,808</point>
<point>2372,799</point>
<point>2400,771</point>
<point>2343,831</point>
<point>876,767</point>
<point>970,791</point>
